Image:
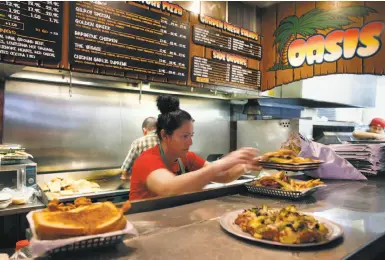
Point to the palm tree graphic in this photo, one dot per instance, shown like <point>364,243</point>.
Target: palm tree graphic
<point>309,24</point>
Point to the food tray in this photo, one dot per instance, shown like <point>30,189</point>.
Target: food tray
<point>366,141</point>
<point>294,195</point>
<point>290,167</point>
<point>104,194</point>
<point>10,148</point>
<point>14,157</point>
<point>92,243</point>
<point>62,246</point>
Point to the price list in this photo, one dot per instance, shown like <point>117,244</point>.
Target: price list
<point>211,71</point>
<point>211,38</point>
<point>124,37</point>
<point>246,77</point>
<point>225,74</point>
<point>247,48</point>
<point>31,31</point>
<point>218,40</point>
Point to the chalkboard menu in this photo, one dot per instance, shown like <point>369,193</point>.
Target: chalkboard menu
<point>120,36</point>
<point>218,40</point>
<point>224,74</point>
<point>31,31</point>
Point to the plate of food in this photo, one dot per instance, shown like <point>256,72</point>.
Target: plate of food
<point>281,227</point>
<point>280,185</point>
<point>285,159</point>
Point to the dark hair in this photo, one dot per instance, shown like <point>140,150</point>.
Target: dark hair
<point>149,123</point>
<point>171,117</point>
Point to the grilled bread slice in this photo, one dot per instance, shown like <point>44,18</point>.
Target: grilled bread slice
<point>87,220</point>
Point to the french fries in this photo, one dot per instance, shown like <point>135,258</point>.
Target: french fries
<point>281,181</point>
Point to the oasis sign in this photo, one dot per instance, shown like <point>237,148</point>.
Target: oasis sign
<point>299,40</point>
<point>362,42</point>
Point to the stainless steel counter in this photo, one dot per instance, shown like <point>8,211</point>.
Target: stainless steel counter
<point>192,231</point>
<point>18,209</point>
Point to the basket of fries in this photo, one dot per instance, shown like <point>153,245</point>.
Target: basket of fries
<point>281,186</point>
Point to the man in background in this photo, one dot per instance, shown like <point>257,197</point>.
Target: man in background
<point>376,131</point>
<point>138,146</point>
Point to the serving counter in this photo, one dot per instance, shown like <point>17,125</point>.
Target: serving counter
<point>192,231</point>
<point>19,209</point>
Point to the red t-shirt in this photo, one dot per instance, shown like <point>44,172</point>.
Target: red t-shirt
<point>150,161</point>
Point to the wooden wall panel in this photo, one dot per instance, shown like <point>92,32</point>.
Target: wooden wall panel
<point>269,54</point>
<point>195,50</point>
<point>353,65</point>
<point>326,67</point>
<point>376,64</point>
<point>65,40</point>
<point>305,71</point>
<point>253,64</point>
<point>2,93</point>
<point>285,9</point>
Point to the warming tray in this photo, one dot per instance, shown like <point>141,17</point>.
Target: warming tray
<point>114,196</point>
<point>111,187</point>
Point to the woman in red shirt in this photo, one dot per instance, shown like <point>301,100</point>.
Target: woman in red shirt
<point>170,168</point>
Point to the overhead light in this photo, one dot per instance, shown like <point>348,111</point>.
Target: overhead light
<point>196,6</point>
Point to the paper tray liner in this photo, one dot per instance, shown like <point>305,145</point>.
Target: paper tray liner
<point>40,247</point>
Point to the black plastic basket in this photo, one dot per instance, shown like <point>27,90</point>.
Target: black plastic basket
<point>87,244</point>
<point>294,195</point>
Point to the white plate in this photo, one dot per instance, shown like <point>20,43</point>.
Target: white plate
<point>5,197</point>
<point>227,223</point>
<point>5,204</point>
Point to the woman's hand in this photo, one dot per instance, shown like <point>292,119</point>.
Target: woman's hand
<point>246,156</point>
<point>253,166</point>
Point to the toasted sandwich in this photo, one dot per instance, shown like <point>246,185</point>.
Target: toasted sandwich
<point>87,220</point>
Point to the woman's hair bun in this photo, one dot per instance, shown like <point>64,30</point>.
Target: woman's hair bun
<point>167,104</point>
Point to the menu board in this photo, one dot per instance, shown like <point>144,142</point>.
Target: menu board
<point>31,31</point>
<point>218,40</point>
<point>224,73</point>
<point>120,36</point>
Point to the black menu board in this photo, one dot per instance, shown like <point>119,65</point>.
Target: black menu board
<point>218,40</point>
<point>224,74</point>
<point>119,36</point>
<point>31,31</point>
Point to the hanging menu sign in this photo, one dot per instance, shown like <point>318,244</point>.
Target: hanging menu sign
<point>224,74</point>
<point>218,40</point>
<point>210,71</point>
<point>122,37</point>
<point>31,31</point>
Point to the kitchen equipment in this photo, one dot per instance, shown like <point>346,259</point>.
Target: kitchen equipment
<point>270,134</point>
<point>108,180</point>
<point>17,175</point>
<point>13,154</point>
